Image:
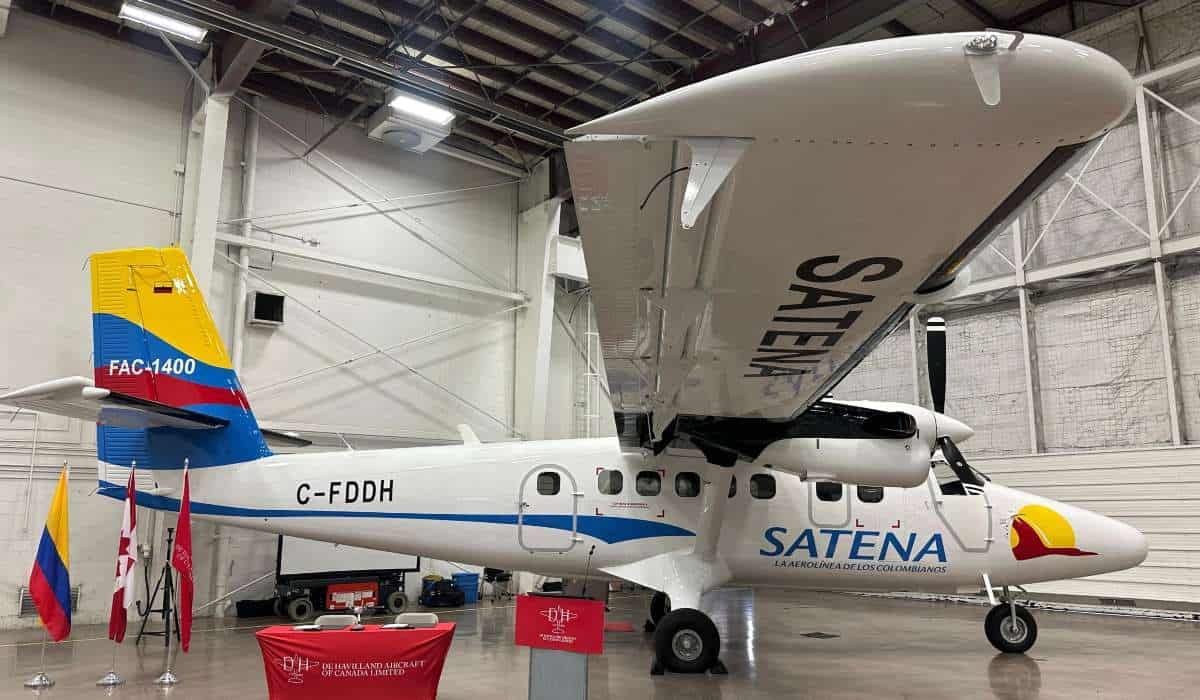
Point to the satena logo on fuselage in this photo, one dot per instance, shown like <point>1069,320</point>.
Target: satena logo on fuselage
<point>856,550</point>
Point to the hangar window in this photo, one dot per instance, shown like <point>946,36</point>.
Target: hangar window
<point>687,484</point>
<point>870,494</point>
<point>548,483</point>
<point>829,491</point>
<point>610,482</point>
<point>648,484</point>
<point>762,486</point>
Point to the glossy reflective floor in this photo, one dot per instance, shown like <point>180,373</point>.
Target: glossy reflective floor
<point>882,649</point>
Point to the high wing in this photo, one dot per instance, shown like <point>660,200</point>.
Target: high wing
<point>751,237</point>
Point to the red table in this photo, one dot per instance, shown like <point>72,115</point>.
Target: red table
<point>371,663</point>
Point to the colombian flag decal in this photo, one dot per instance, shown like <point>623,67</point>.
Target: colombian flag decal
<point>1038,531</point>
<point>50,582</point>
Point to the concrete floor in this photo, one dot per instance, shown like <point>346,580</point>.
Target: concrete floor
<point>883,649</point>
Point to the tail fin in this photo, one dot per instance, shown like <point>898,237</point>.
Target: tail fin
<point>154,339</point>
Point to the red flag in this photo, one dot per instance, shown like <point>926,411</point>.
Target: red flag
<point>123,591</point>
<point>181,559</point>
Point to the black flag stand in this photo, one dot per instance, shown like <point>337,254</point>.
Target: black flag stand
<point>169,609</point>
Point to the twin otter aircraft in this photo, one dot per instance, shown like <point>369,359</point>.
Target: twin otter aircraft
<point>749,239</point>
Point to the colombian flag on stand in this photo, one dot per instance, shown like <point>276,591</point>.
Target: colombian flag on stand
<point>50,582</point>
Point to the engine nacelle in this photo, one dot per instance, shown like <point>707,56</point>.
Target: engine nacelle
<point>903,463</point>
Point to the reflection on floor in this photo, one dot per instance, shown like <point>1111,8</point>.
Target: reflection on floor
<point>775,643</point>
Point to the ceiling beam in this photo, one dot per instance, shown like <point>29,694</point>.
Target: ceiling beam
<point>713,34</point>
<point>591,31</point>
<point>649,28</point>
<point>550,44</point>
<point>239,54</point>
<point>746,9</point>
<point>981,13</point>
<point>483,47</point>
<point>541,95</point>
<point>843,24</point>
<point>354,64</point>
<point>1036,12</point>
<point>897,28</point>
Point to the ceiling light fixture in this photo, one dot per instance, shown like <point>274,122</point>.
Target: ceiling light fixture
<point>154,20</point>
<point>422,110</point>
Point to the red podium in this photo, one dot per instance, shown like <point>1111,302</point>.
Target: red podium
<point>370,663</point>
<point>561,631</point>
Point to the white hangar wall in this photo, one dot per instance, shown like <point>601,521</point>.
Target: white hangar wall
<point>107,120</point>
<point>1085,415</point>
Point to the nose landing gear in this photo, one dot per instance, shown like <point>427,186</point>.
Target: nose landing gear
<point>660,605</point>
<point>1010,627</point>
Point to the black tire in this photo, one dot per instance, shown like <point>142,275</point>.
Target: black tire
<point>660,605</point>
<point>687,641</point>
<point>277,607</point>
<point>1001,633</point>
<point>396,602</point>
<point>300,609</point>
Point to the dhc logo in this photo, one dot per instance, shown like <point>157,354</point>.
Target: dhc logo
<point>862,545</point>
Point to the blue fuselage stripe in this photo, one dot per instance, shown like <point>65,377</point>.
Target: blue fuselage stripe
<point>607,528</point>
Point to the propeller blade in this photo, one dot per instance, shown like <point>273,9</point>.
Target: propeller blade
<point>935,346</point>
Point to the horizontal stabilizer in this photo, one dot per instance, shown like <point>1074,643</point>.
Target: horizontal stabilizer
<point>79,397</point>
<point>284,439</point>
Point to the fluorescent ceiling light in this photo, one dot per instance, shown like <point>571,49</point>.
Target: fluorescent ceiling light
<point>155,20</point>
<point>422,110</point>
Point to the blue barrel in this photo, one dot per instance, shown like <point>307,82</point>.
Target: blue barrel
<point>469,585</point>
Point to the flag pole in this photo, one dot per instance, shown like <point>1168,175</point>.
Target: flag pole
<point>40,679</point>
<point>112,678</point>
<point>168,677</point>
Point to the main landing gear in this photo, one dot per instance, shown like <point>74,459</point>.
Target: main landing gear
<point>687,641</point>
<point>1010,627</point>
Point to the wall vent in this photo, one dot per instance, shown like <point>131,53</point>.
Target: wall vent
<point>25,606</point>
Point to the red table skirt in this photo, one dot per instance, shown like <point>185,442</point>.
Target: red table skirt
<point>371,663</point>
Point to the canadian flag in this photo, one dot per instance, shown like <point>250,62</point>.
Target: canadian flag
<point>181,559</point>
<point>126,582</point>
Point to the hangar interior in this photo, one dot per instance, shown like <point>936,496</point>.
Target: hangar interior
<point>428,290</point>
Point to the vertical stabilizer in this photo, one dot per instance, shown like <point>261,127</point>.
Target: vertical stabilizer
<point>154,339</point>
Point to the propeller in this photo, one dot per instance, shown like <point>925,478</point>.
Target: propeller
<point>935,348</point>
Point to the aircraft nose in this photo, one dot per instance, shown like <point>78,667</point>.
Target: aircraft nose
<point>952,428</point>
<point>1127,545</point>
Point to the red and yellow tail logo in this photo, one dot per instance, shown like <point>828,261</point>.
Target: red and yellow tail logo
<point>1038,531</point>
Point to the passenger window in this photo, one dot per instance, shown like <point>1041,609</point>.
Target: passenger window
<point>762,486</point>
<point>870,494</point>
<point>648,484</point>
<point>732,486</point>
<point>548,483</point>
<point>829,491</point>
<point>687,484</point>
<point>610,482</point>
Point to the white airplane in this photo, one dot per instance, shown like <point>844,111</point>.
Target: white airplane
<point>826,194</point>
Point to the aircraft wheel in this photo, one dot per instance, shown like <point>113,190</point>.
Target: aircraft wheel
<point>300,609</point>
<point>396,602</point>
<point>277,607</point>
<point>1008,634</point>
<point>660,605</point>
<point>686,641</point>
